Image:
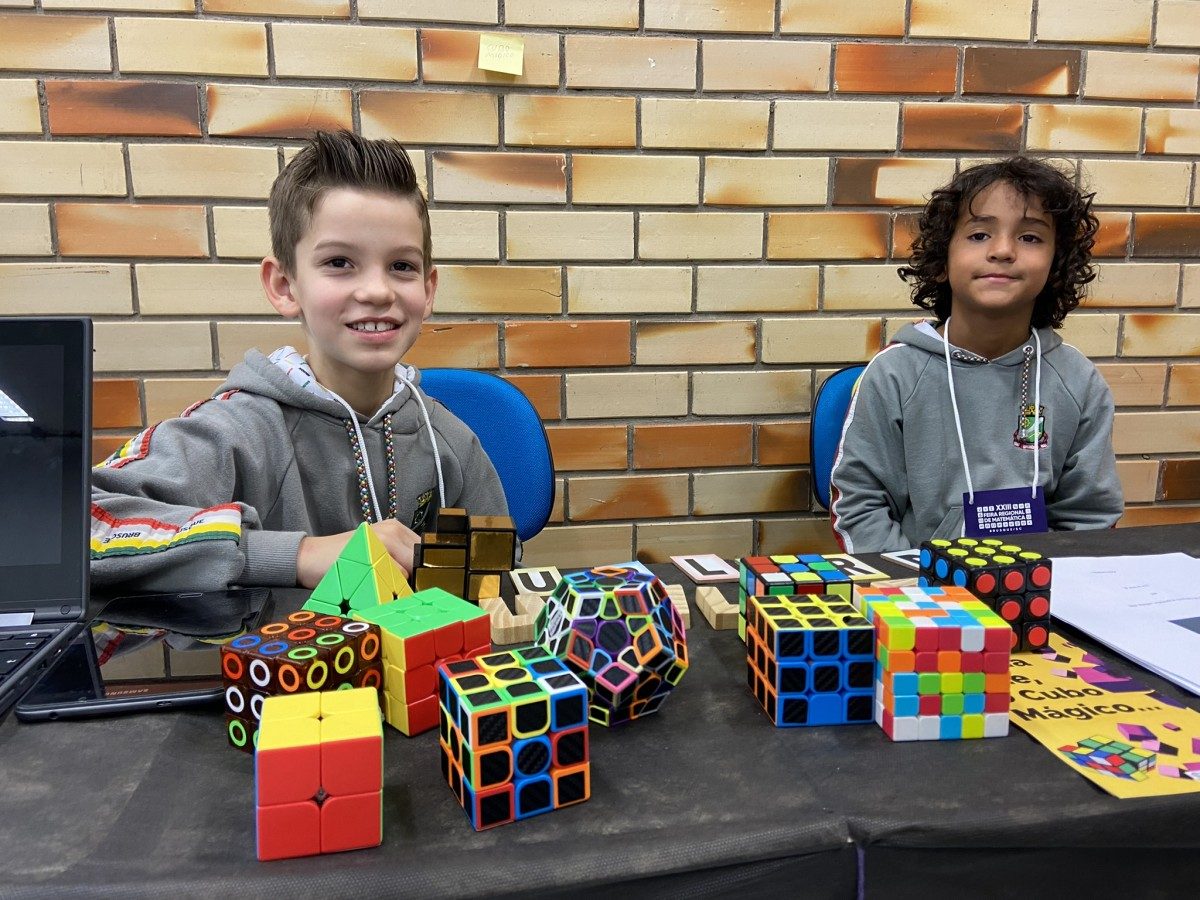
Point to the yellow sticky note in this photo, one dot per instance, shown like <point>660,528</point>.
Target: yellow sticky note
<point>502,53</point>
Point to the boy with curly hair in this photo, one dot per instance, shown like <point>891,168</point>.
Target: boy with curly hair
<point>986,398</point>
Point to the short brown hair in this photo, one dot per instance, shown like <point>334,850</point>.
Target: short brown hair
<point>339,160</point>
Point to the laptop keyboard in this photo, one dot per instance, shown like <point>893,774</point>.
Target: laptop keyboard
<point>17,646</point>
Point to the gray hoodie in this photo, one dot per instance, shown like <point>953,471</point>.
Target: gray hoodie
<point>224,493</point>
<point>898,477</point>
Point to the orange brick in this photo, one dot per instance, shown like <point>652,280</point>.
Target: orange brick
<point>728,538</point>
<point>812,533</point>
<point>888,182</point>
<point>1173,131</point>
<point>695,343</point>
<point>374,52</point>
<point>1094,21</point>
<point>629,289</point>
<point>26,230</point>
<point>119,229</point>
<point>1141,516</point>
<point>904,232</point>
<point>54,43</point>
<point>104,445</point>
<point>1172,334</point>
<point>873,18</point>
<point>827,235</point>
<point>331,9</point>
<point>824,340</point>
<point>54,289</point>
<point>727,289</point>
<point>962,126</point>
<point>625,395</point>
<point>1136,384</point>
<point>1139,479</point>
<point>195,170</point>
<point>430,117</point>
<point>20,112</point>
<point>1181,479</point>
<point>68,168</point>
<point>466,345</point>
<point>778,66</point>
<point>116,403</point>
<point>1134,284</point>
<point>475,11</point>
<point>190,46</point>
<point>770,181</point>
<point>655,63</point>
<point>570,121</point>
<point>574,344</point>
<point>1112,239</point>
<point>168,397</point>
<point>1114,129</point>
<point>783,443</point>
<point>1003,20</point>
<point>242,110</point>
<point>1009,70</point>
<point>716,124</point>
<point>749,393</point>
<point>1184,387</point>
<point>644,180</point>
<point>543,391</point>
<point>615,14</point>
<point>451,56</point>
<point>773,490</point>
<point>1166,234</point>
<point>578,545</point>
<point>123,107</point>
<point>704,235</point>
<point>825,125</point>
<point>1177,24</point>
<point>464,177</point>
<point>717,15</point>
<point>569,235</point>
<point>691,446</point>
<point>1115,75</point>
<point>627,497</point>
<point>895,68</point>
<point>499,290</point>
<point>581,448</point>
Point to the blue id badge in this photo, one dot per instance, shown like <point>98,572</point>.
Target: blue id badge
<point>1003,512</point>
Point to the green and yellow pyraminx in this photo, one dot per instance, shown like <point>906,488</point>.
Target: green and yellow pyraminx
<point>364,575</point>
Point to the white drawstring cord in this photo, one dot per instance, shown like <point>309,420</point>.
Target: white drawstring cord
<point>405,374</point>
<point>362,449</point>
<point>1037,411</point>
<point>962,448</point>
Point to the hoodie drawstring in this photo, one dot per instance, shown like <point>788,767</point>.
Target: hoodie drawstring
<point>405,375</point>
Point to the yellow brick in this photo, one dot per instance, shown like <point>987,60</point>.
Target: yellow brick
<point>54,43</point>
<point>1119,182</point>
<point>656,63</point>
<point>324,8</point>
<point>578,545</point>
<point>569,235</point>
<point>712,15</point>
<point>836,125</point>
<point>236,110</point>
<point>1115,75</point>
<point>568,121</point>
<point>718,124</point>
<point>1178,24</point>
<point>465,234</point>
<point>826,235</point>
<point>72,169</point>
<point>374,52</point>
<point>865,288</point>
<point>1002,20</point>
<point>627,289</point>
<point>168,6</point>
<point>430,117</point>
<point>1191,286</point>
<point>462,177</point>
<point>757,288</point>
<point>748,393</point>
<point>641,180</point>
<point>192,46</point>
<point>1156,432</point>
<point>168,397</point>
<point>902,182</point>
<point>773,65</point>
<point>484,12</point>
<point>1085,129</point>
<point>499,290</point>
<point>19,110</point>
<point>861,17</point>
<point>452,56</point>
<point>191,170</point>
<point>152,346</point>
<point>55,289</point>
<point>627,497</point>
<point>26,230</point>
<point>626,395</point>
<point>1134,284</point>
<point>235,338</point>
<point>1154,334</point>
<point>695,343</point>
<point>812,534</point>
<point>824,340</point>
<point>728,538</point>
<point>616,14</point>
<point>704,235</point>
<point>1135,384</point>
<point>770,181</point>
<point>1139,479</point>
<point>200,289</point>
<point>1173,131</point>
<point>1093,335</point>
<point>242,231</point>
<point>1094,21</point>
<point>774,490</point>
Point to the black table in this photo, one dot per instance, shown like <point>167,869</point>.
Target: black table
<point>705,798</point>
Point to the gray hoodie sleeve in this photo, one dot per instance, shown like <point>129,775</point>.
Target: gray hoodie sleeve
<point>1088,493</point>
<point>869,484</point>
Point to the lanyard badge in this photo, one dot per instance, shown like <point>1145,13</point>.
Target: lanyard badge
<point>1003,512</point>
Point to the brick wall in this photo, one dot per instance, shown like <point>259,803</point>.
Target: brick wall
<point>667,231</point>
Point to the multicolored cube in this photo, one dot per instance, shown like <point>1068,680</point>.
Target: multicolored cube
<point>418,632</point>
<point>513,735</point>
<point>1111,757</point>
<point>616,628</point>
<point>363,575</point>
<point>942,663</point>
<point>305,652</point>
<point>318,774</point>
<point>810,660</point>
<point>1015,583</point>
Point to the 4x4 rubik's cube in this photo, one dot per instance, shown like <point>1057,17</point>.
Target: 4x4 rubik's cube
<point>786,575</point>
<point>1015,583</point>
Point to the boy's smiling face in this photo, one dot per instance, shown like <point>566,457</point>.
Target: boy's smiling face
<point>999,255</point>
<point>361,289</point>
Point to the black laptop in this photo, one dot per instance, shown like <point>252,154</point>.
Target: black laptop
<point>45,469</point>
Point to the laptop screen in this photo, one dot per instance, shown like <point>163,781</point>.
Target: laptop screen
<point>45,444</point>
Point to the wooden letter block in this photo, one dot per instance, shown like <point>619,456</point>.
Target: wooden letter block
<point>717,611</point>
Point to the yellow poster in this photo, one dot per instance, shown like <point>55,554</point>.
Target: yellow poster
<point>1112,730</point>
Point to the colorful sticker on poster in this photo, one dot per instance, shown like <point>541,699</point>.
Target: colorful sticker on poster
<point>1116,732</point>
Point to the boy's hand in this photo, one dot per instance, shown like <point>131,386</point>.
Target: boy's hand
<point>317,554</point>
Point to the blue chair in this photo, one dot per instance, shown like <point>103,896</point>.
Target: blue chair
<point>828,415</point>
<point>512,435</point>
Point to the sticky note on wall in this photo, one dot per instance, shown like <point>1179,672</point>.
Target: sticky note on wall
<point>502,53</point>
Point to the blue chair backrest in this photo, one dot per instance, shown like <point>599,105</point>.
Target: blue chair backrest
<point>828,415</point>
<point>512,435</point>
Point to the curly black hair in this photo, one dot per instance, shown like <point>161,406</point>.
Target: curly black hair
<point>1074,236</point>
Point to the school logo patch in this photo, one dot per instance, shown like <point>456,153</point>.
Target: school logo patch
<point>1031,428</point>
